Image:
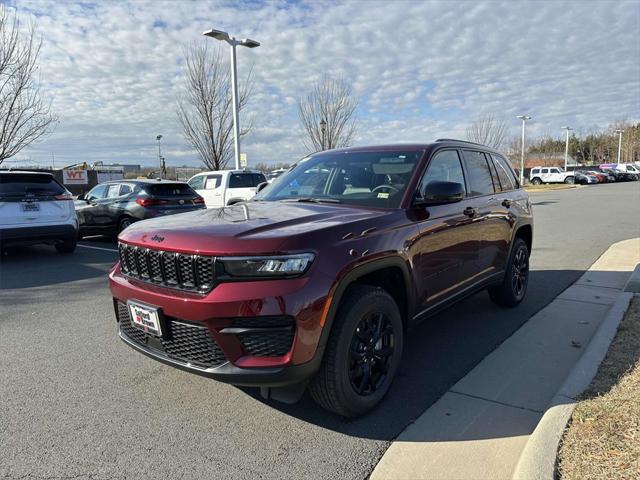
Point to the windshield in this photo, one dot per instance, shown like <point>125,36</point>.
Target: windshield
<point>375,179</point>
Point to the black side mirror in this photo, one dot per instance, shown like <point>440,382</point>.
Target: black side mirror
<point>437,193</point>
<point>261,186</point>
<point>81,197</point>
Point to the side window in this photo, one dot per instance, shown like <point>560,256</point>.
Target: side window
<point>258,178</point>
<point>480,180</point>
<point>113,191</point>
<point>212,182</point>
<point>444,167</point>
<point>125,189</point>
<point>197,183</point>
<point>535,171</point>
<point>505,175</point>
<point>97,192</point>
<point>555,170</point>
<point>241,180</point>
<point>545,170</point>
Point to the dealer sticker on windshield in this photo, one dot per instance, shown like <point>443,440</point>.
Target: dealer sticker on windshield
<point>145,318</point>
<point>383,194</point>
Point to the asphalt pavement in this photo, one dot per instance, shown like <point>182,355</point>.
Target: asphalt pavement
<point>76,402</point>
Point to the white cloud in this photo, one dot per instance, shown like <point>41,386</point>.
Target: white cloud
<point>423,69</point>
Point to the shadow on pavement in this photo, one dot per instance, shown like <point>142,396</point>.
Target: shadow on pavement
<point>439,352</point>
<point>25,267</point>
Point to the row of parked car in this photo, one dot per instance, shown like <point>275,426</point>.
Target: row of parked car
<point>605,173</point>
<point>35,208</point>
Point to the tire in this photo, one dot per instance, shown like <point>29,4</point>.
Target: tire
<point>67,246</point>
<point>570,180</point>
<point>124,223</point>
<point>536,181</point>
<point>512,291</point>
<point>343,371</point>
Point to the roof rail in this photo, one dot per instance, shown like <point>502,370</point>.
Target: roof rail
<point>460,141</point>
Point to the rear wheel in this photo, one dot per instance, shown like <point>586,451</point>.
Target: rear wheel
<point>570,180</point>
<point>124,223</point>
<point>67,246</point>
<point>536,181</point>
<point>516,278</point>
<point>362,354</point>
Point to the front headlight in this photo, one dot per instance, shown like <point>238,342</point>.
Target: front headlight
<point>276,266</point>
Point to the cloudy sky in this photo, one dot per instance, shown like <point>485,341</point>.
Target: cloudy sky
<point>422,69</point>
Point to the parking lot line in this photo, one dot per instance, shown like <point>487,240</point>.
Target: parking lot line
<point>97,248</point>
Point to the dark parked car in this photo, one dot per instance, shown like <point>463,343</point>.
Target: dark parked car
<point>315,281</point>
<point>110,207</point>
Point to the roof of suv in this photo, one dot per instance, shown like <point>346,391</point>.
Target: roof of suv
<point>413,146</point>
<point>24,172</point>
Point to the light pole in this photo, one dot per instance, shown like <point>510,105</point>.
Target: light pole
<point>323,127</point>
<point>619,143</point>
<point>233,42</point>
<point>566,147</point>
<point>158,138</point>
<point>524,119</point>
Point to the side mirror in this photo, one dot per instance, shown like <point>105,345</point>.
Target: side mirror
<point>437,193</point>
<point>81,197</point>
<point>261,186</point>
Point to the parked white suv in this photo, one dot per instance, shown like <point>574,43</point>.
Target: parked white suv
<point>540,175</point>
<point>35,208</point>
<point>226,187</point>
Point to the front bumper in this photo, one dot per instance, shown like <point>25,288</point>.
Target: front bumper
<point>227,316</point>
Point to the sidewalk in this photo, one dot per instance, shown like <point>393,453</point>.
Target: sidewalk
<point>478,429</point>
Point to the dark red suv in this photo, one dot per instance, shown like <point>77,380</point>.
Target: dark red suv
<point>315,281</point>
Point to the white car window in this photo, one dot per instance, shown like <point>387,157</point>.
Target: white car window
<point>212,182</point>
<point>196,183</point>
<point>125,189</point>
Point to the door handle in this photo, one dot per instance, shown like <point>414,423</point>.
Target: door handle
<point>470,212</point>
<point>506,203</point>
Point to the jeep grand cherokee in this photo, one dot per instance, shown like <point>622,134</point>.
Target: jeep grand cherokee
<point>315,281</point>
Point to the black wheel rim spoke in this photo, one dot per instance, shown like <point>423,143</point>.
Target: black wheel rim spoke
<point>371,353</point>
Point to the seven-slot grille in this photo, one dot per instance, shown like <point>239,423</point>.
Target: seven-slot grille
<point>184,341</point>
<point>169,269</point>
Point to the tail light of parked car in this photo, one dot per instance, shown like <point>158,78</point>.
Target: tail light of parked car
<point>64,196</point>
<point>198,200</point>
<point>150,202</point>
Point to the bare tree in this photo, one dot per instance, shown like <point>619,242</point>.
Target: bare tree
<point>327,115</point>
<point>206,110</point>
<point>488,130</point>
<point>25,116</point>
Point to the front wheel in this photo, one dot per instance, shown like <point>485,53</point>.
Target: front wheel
<point>570,180</point>
<point>516,278</point>
<point>536,181</point>
<point>362,354</point>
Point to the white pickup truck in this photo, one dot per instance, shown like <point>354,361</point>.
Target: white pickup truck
<point>220,188</point>
<point>540,175</point>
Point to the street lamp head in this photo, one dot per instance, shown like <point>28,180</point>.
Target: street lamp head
<point>158,137</point>
<point>217,34</point>
<point>247,42</point>
<point>566,128</point>
<point>524,117</point>
<point>619,131</point>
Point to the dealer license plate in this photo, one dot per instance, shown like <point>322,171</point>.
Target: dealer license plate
<point>31,207</point>
<point>145,318</point>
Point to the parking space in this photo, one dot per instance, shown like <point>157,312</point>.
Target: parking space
<point>78,402</point>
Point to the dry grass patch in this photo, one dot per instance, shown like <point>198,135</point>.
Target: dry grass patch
<point>548,186</point>
<point>603,437</point>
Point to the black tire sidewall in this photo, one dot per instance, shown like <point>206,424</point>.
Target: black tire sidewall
<point>374,301</point>
<point>512,298</point>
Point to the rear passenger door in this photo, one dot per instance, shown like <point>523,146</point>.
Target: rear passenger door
<point>491,230</point>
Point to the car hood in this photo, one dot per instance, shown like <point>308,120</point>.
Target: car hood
<point>252,227</point>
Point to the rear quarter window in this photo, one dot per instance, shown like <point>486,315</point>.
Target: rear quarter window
<point>479,174</point>
<point>19,185</point>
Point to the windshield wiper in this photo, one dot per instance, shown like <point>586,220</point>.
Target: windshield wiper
<point>312,200</point>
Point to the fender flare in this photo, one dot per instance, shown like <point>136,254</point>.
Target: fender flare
<point>343,282</point>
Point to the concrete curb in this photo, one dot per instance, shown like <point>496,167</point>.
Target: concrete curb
<point>633,284</point>
<point>538,459</point>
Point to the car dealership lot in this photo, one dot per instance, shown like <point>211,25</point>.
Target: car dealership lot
<point>76,401</point>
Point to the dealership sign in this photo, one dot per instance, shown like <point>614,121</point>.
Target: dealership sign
<point>75,177</point>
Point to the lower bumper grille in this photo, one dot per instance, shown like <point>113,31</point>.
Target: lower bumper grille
<point>184,341</point>
<point>265,337</point>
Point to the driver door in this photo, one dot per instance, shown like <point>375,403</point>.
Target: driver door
<point>445,250</point>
